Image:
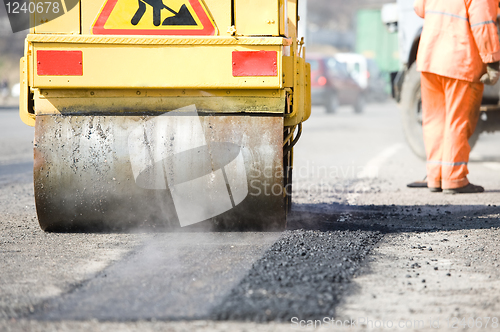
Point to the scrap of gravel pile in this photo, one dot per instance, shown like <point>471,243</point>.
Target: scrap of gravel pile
<point>302,275</point>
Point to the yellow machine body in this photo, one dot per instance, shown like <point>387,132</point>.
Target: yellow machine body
<point>89,79</point>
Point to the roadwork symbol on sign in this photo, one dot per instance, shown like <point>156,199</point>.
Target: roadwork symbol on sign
<point>154,17</point>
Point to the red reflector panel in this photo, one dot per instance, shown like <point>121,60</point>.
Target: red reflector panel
<point>255,63</point>
<point>59,63</point>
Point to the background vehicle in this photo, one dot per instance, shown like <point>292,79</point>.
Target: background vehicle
<point>366,73</point>
<point>401,18</point>
<point>331,84</point>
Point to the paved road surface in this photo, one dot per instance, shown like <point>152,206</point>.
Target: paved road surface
<point>360,247</point>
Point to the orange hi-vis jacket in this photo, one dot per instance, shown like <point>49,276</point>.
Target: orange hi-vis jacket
<point>458,38</point>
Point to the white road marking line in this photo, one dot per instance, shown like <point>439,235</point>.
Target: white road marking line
<point>371,171</point>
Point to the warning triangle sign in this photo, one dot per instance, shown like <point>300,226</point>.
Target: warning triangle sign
<point>154,17</point>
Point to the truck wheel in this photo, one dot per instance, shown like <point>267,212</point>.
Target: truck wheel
<point>332,103</point>
<point>359,105</point>
<point>479,129</point>
<point>411,105</point>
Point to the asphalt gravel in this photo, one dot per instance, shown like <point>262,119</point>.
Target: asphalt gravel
<point>302,275</point>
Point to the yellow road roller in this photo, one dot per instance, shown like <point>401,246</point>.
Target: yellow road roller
<point>165,113</point>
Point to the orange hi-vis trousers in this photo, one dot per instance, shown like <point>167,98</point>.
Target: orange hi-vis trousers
<point>450,114</point>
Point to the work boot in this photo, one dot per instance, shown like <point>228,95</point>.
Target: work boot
<point>468,189</point>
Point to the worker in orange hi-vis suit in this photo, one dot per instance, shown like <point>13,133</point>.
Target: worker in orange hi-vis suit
<point>459,50</point>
